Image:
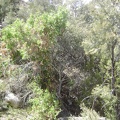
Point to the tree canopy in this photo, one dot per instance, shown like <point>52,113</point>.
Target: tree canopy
<point>65,54</point>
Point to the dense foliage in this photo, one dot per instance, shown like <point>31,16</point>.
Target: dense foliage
<point>33,38</point>
<point>44,105</point>
<point>76,51</point>
<point>8,8</point>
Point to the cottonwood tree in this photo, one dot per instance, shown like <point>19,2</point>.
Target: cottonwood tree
<point>103,38</point>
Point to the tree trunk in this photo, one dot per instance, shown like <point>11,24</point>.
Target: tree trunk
<point>113,70</point>
<point>113,80</point>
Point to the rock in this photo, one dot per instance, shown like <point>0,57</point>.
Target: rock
<point>12,100</point>
<point>102,118</point>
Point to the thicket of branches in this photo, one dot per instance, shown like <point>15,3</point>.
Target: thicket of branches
<point>76,47</point>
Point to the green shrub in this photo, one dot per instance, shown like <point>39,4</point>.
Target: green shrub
<point>4,63</point>
<point>89,114</point>
<point>44,105</point>
<point>33,39</point>
<point>109,100</point>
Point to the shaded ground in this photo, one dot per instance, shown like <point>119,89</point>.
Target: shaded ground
<point>15,114</point>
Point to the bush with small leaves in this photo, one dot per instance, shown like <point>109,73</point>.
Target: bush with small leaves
<point>44,105</point>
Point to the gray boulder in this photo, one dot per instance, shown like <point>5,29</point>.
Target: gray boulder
<point>12,99</point>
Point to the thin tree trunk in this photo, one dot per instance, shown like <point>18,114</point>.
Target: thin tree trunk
<point>113,70</point>
<point>113,80</point>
